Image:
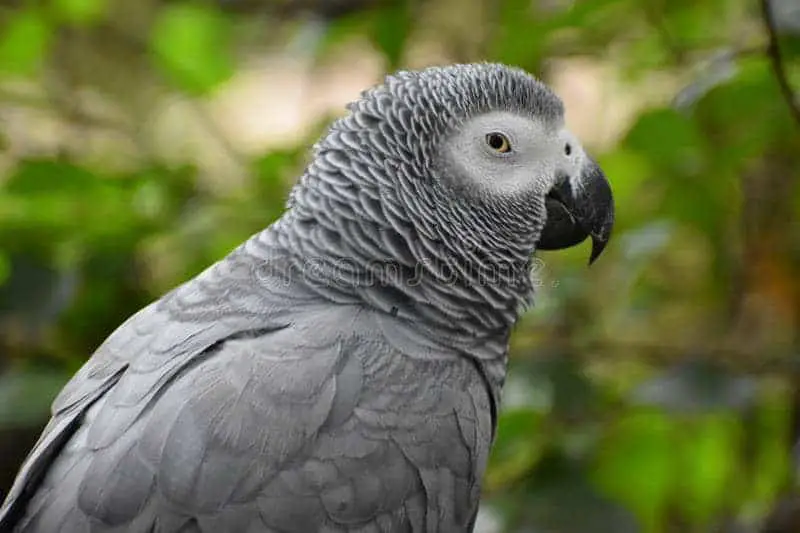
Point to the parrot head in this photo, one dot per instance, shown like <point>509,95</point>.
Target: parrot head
<point>462,169</point>
<point>508,149</point>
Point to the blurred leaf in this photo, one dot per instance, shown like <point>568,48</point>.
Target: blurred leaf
<point>790,50</point>
<point>49,201</point>
<point>628,171</point>
<point>695,189</point>
<point>517,448</point>
<point>26,395</point>
<point>686,24</point>
<point>5,268</point>
<point>517,41</point>
<point>80,12</point>
<point>274,170</point>
<point>191,44</point>
<point>581,28</point>
<point>709,451</point>
<point>647,53</point>
<point>49,177</point>
<point>57,198</point>
<point>585,15</point>
<point>391,29</point>
<point>636,465</point>
<point>671,141</point>
<point>739,141</point>
<point>24,42</point>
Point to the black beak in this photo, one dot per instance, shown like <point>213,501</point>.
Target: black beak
<point>574,215</point>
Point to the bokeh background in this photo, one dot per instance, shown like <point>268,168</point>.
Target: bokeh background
<point>658,391</point>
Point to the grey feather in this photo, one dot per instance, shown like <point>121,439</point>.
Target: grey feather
<point>339,371</point>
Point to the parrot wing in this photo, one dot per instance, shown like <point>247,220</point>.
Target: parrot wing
<point>216,409</point>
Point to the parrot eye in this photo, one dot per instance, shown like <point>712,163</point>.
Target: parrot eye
<point>568,149</point>
<point>498,142</point>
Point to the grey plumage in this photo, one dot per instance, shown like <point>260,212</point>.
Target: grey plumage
<point>341,370</point>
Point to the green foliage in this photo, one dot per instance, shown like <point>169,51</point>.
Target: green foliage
<point>516,43</point>
<point>80,12</point>
<point>637,467</point>
<point>24,41</point>
<point>708,456</point>
<point>605,426</point>
<point>191,43</point>
<point>27,394</point>
<point>390,31</point>
<point>518,447</point>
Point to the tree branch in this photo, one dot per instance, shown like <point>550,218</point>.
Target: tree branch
<point>774,54</point>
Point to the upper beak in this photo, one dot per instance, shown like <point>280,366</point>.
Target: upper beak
<point>574,215</point>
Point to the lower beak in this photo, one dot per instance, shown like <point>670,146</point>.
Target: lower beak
<point>573,215</point>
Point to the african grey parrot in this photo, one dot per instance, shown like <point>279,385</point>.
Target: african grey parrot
<point>342,369</point>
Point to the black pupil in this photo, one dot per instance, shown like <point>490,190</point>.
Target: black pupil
<point>568,149</point>
<point>496,141</point>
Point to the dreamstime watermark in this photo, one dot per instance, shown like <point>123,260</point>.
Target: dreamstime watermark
<point>352,272</point>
